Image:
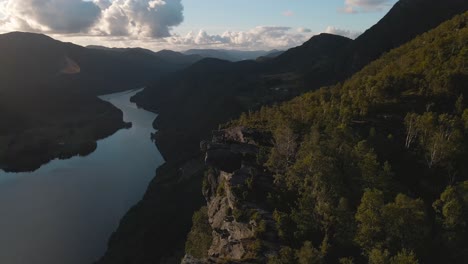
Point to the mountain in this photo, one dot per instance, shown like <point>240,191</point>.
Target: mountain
<point>271,55</point>
<point>407,19</point>
<point>370,169</point>
<point>274,53</point>
<point>229,55</point>
<point>221,89</point>
<point>227,91</point>
<point>169,56</point>
<point>195,101</point>
<point>45,84</point>
<point>44,59</point>
<point>178,58</point>
<point>36,56</point>
<point>319,48</point>
<point>323,60</point>
<point>314,61</point>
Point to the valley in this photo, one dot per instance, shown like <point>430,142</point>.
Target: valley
<point>341,149</point>
<point>210,93</point>
<point>65,211</point>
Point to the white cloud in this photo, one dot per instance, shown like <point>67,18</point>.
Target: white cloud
<point>2,9</point>
<point>146,18</point>
<point>65,16</point>
<point>360,6</point>
<point>145,23</point>
<point>261,37</point>
<point>342,32</point>
<point>258,38</point>
<point>135,18</point>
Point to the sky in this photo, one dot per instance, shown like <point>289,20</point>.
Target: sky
<point>186,24</point>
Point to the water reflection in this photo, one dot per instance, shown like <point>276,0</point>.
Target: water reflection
<point>64,212</point>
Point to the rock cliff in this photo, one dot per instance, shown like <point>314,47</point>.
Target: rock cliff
<point>243,230</point>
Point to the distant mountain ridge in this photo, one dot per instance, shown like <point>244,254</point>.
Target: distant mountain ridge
<point>102,70</point>
<point>230,55</point>
<point>168,56</point>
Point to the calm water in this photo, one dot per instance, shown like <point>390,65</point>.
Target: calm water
<point>65,212</point>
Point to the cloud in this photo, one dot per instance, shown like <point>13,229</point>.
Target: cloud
<point>134,18</point>
<point>342,32</point>
<point>361,6</point>
<point>64,16</point>
<point>258,38</point>
<point>146,23</point>
<point>304,30</point>
<point>261,37</point>
<point>148,18</point>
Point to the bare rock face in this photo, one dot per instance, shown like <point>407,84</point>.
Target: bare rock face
<point>242,231</point>
<point>231,238</point>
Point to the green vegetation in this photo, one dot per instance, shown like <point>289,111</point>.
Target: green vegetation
<point>199,239</point>
<point>390,226</point>
<point>374,169</point>
<point>452,219</point>
<point>308,254</point>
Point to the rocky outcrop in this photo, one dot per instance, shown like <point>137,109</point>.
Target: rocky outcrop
<point>243,229</point>
<point>229,148</point>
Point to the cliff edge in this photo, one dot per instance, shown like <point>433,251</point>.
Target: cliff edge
<point>241,224</point>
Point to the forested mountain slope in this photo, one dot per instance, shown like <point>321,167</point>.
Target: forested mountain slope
<point>369,171</point>
<point>323,60</point>
<point>407,19</point>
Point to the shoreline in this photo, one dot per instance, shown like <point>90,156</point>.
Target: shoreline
<point>80,140</point>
